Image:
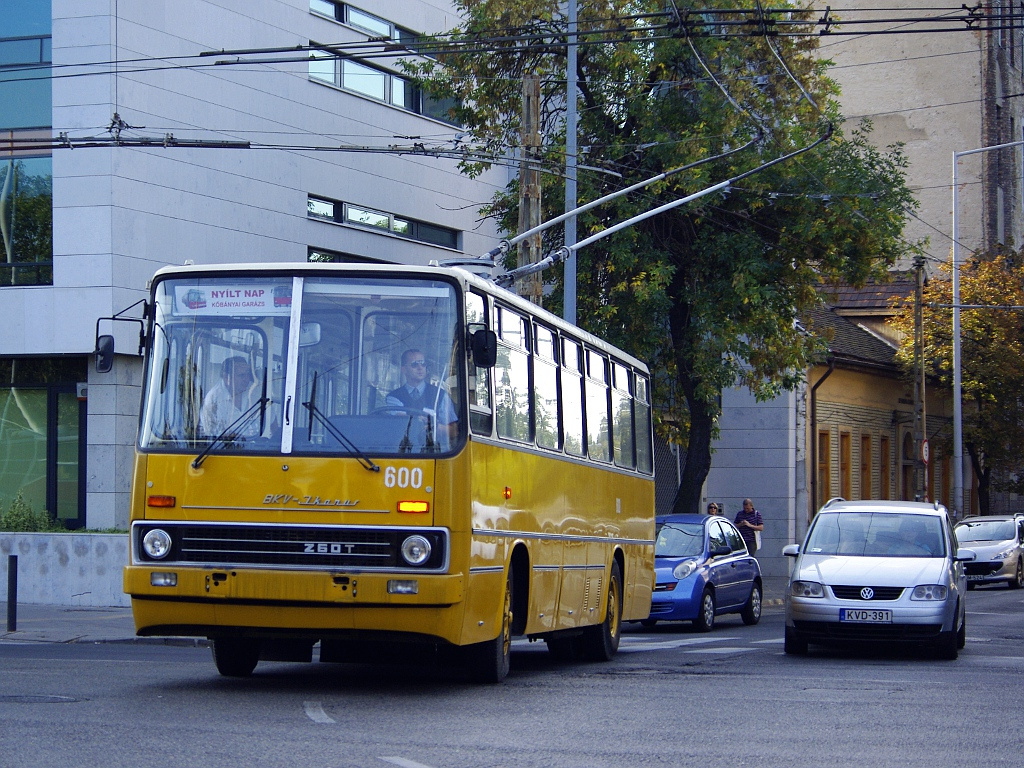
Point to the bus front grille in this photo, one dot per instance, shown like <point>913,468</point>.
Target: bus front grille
<point>340,547</point>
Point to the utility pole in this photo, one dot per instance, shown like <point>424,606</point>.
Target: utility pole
<point>529,250</point>
<point>920,432</point>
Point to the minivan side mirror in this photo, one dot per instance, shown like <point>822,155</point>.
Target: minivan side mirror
<point>791,550</point>
<point>104,353</point>
<point>965,555</point>
<point>484,346</point>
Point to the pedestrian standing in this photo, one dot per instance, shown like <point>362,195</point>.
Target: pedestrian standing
<point>712,509</point>
<point>749,522</point>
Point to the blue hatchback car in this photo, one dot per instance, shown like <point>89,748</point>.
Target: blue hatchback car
<point>703,570</point>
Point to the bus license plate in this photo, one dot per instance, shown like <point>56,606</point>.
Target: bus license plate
<point>862,616</point>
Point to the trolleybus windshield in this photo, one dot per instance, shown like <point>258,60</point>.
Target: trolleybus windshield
<point>305,365</point>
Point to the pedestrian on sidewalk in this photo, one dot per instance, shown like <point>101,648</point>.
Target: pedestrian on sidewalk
<point>712,509</point>
<point>749,522</point>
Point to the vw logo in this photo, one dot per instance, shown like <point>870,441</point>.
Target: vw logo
<point>867,593</point>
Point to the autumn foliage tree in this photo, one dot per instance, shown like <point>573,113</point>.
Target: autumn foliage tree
<point>709,293</point>
<point>991,363</point>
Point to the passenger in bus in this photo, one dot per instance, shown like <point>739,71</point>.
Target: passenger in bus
<point>232,396</point>
<point>419,394</point>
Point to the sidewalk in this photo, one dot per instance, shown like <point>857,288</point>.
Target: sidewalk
<point>79,624</point>
<point>87,624</point>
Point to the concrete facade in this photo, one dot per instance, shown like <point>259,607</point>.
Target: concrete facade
<point>120,213</point>
<point>66,568</point>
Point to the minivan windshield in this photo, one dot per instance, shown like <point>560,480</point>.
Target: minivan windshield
<point>876,534</point>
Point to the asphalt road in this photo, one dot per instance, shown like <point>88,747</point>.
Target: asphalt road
<point>672,697</point>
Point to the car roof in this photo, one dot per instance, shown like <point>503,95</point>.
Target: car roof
<point>875,505</point>
<point>683,518</point>
<point>992,518</point>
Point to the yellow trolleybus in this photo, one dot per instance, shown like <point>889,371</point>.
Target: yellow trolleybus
<point>372,457</point>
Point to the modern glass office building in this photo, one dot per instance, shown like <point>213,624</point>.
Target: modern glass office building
<point>126,148</point>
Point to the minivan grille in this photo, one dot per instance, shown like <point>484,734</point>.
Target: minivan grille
<point>879,593</point>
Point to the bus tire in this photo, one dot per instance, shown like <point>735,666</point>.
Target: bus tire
<point>601,642</point>
<point>489,662</point>
<point>235,656</point>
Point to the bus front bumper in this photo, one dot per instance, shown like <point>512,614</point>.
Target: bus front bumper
<point>199,601</point>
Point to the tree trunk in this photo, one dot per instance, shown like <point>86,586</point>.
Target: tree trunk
<point>698,457</point>
<point>984,481</point>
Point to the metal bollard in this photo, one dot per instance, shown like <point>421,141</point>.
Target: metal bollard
<point>12,593</point>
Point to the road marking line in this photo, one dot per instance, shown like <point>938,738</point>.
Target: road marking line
<point>668,645</point>
<point>315,712</point>
<point>773,641</point>
<point>402,762</point>
<point>721,650</point>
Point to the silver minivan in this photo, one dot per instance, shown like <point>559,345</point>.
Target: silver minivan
<point>878,571</point>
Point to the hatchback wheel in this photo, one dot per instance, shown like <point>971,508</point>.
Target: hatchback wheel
<point>705,620</point>
<point>1018,578</point>
<point>751,613</point>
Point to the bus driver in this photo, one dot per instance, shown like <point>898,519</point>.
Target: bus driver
<point>418,393</point>
<point>232,396</point>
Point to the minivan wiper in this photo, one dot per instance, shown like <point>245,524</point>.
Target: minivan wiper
<point>337,434</point>
<point>234,429</point>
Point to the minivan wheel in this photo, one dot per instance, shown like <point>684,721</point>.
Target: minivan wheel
<point>794,644</point>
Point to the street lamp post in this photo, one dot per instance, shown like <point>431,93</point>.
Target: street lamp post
<point>958,424</point>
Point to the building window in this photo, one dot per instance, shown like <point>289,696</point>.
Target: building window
<point>26,221</point>
<point>379,85</point>
<point>865,466</point>
<point>884,464</point>
<point>368,218</point>
<point>845,476</point>
<point>42,436</point>
<point>325,256</point>
<point>824,468</point>
<point>26,99</point>
<point>374,26</point>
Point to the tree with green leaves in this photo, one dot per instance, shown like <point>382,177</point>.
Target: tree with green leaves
<point>991,364</point>
<point>710,292</point>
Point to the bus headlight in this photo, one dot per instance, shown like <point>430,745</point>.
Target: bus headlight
<point>157,543</point>
<point>416,550</point>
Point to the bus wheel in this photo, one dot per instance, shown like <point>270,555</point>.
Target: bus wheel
<point>489,662</point>
<point>601,642</point>
<point>235,656</point>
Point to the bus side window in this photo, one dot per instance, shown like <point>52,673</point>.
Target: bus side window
<point>512,377</point>
<point>572,398</point>
<point>598,423</point>
<point>622,416</point>
<point>481,416</point>
<point>642,411</point>
<point>545,388</point>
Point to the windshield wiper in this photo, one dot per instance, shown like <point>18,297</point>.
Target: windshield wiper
<point>234,429</point>
<point>337,434</point>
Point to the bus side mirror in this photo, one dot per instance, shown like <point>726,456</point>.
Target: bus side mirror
<point>484,345</point>
<point>104,353</point>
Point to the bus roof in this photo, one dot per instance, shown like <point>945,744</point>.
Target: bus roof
<point>463,276</point>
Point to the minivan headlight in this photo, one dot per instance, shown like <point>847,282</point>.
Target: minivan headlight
<point>806,589</point>
<point>929,592</point>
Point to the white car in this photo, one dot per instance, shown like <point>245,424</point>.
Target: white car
<point>878,571</point>
<point>998,541</point>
